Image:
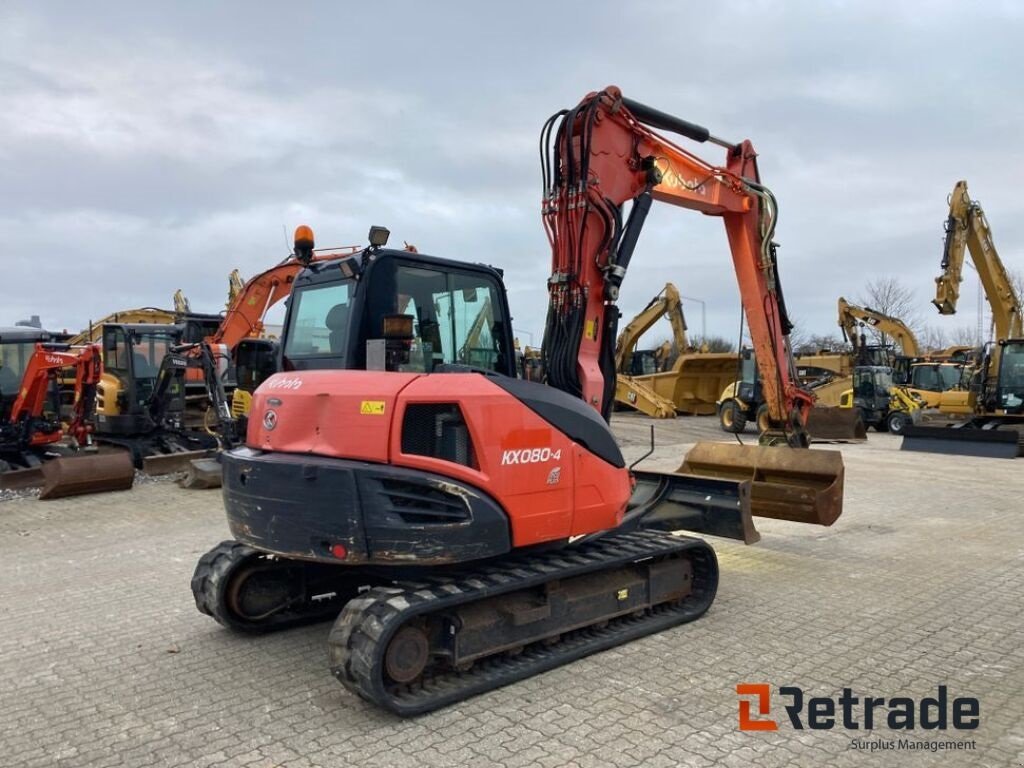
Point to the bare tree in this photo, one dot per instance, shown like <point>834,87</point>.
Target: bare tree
<point>1017,283</point>
<point>931,338</point>
<point>963,336</point>
<point>816,343</point>
<point>890,297</point>
<point>714,343</point>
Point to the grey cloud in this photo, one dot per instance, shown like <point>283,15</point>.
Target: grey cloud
<point>145,149</point>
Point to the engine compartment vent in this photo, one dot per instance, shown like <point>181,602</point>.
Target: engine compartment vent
<point>421,504</point>
<point>439,431</point>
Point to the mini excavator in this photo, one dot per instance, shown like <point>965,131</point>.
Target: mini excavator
<point>463,527</point>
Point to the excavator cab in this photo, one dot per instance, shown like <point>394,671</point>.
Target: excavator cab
<point>17,345</point>
<point>1009,390</point>
<point>132,357</point>
<point>407,313</point>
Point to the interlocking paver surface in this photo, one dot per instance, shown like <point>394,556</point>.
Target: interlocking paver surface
<point>104,660</point>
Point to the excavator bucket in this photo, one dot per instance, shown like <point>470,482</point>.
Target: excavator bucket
<point>78,475</point>
<point>795,484</point>
<point>832,424</point>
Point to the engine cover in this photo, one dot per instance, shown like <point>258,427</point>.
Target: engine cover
<point>489,433</point>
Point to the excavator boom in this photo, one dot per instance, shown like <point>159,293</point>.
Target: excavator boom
<point>603,154</point>
<point>850,315</point>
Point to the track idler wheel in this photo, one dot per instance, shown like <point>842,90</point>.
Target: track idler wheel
<point>407,654</point>
<point>250,591</point>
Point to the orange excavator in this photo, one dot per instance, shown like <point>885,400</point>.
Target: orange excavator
<point>240,333</point>
<point>31,427</point>
<point>27,428</point>
<point>466,528</point>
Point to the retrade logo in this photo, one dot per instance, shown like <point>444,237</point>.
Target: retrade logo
<point>762,694</point>
<point>855,712</point>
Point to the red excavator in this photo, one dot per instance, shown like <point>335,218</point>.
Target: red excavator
<point>27,428</point>
<point>466,528</point>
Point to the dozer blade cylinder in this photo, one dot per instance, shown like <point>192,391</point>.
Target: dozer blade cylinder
<point>795,484</point>
<point>833,423</point>
<point>77,475</point>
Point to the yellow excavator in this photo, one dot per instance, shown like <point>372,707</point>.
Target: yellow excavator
<point>993,403</point>
<point>690,385</point>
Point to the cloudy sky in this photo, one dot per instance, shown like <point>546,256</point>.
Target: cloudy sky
<point>144,150</point>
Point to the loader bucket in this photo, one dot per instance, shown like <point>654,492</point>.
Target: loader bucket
<point>795,484</point>
<point>76,475</point>
<point>832,424</point>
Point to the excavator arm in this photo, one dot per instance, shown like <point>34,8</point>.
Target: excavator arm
<point>967,229</point>
<point>603,154</point>
<point>850,315</point>
<point>249,305</point>
<point>46,363</point>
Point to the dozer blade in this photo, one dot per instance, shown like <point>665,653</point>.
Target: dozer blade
<point>16,479</point>
<point>169,463</point>
<point>795,484</point>
<point>964,441</point>
<point>202,474</point>
<point>76,475</point>
<point>833,424</point>
<point>668,501</point>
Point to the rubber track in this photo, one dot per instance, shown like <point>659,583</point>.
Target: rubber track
<point>210,581</point>
<point>362,632</point>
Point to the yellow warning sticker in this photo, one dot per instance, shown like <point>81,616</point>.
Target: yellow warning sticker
<point>372,408</point>
<point>590,330</point>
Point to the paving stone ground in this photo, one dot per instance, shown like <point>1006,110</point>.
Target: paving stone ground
<point>104,660</point>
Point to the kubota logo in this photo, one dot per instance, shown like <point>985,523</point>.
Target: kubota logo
<point>284,383</point>
<point>270,420</point>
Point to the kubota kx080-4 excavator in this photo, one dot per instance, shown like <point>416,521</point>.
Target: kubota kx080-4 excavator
<point>473,528</point>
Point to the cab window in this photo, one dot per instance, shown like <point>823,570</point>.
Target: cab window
<point>319,321</point>
<point>457,318</point>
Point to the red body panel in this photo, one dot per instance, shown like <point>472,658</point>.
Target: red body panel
<point>550,487</point>
<point>322,412</point>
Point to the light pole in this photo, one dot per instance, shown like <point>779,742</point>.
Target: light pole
<point>527,333</point>
<point>703,317</point>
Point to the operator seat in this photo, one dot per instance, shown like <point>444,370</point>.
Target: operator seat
<point>337,325</point>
